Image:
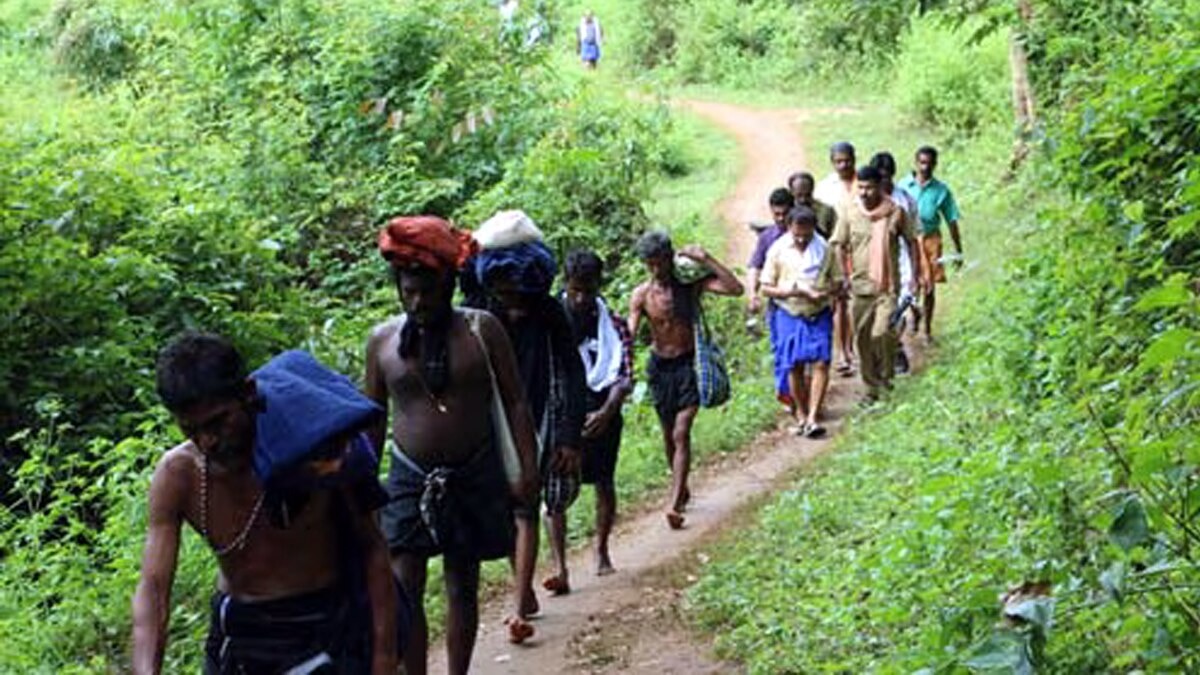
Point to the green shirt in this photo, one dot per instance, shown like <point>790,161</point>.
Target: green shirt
<point>935,203</point>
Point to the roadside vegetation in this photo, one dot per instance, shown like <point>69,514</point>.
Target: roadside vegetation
<point>1027,504</point>
<point>226,166</point>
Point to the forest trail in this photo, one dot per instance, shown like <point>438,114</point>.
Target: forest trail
<point>629,622</point>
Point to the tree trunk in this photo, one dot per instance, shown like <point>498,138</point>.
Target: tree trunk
<point>1024,108</point>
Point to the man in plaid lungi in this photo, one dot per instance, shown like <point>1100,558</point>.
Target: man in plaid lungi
<point>517,280</point>
<point>672,310</point>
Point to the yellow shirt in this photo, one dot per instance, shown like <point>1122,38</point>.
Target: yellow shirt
<point>815,268</point>
<point>853,231</point>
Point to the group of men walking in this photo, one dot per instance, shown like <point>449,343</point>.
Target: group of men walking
<point>499,408</point>
<point>841,268</point>
<point>494,413</point>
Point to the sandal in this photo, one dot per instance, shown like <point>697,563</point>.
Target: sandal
<point>814,430</point>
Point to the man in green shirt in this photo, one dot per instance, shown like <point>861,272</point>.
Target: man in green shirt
<point>935,203</point>
<point>869,230</point>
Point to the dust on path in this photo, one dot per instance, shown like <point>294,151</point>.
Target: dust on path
<point>629,622</point>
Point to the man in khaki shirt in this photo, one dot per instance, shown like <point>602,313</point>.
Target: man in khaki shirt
<point>800,275</point>
<point>869,229</point>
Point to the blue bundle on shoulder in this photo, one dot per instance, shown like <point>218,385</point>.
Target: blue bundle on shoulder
<point>306,407</point>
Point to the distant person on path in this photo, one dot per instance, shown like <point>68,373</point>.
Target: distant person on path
<point>442,371</point>
<point>606,349</point>
<point>801,274</point>
<point>935,203</point>
<point>672,309</point>
<point>835,189</point>
<point>588,39</point>
<point>802,186</point>
<point>517,278</point>
<point>868,234</point>
<point>286,501</point>
<point>909,287</point>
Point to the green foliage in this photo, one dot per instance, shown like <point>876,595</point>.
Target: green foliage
<point>772,44</point>
<point>587,177</point>
<point>224,166</point>
<point>1051,453</point>
<point>945,80</point>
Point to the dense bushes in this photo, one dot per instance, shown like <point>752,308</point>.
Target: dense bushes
<point>943,79</point>
<point>224,165</point>
<point>773,44</point>
<point>1052,456</point>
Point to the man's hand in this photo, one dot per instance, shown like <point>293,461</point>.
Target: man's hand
<point>958,261</point>
<point>566,459</point>
<point>695,252</point>
<point>597,422</point>
<point>755,304</point>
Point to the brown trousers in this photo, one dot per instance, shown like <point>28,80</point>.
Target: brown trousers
<point>875,342</point>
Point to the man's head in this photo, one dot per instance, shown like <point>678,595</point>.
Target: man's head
<point>584,272</point>
<point>886,164</point>
<point>654,248</point>
<point>841,156</point>
<point>781,202</point>
<point>802,223</point>
<point>202,381</point>
<point>425,252</point>
<point>425,292</point>
<point>926,161</point>
<point>869,189</point>
<point>517,277</point>
<point>802,184</point>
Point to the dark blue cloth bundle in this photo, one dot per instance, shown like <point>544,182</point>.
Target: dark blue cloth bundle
<point>530,264</point>
<point>305,407</point>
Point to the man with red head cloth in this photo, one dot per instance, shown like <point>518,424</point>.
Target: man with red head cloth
<point>456,471</point>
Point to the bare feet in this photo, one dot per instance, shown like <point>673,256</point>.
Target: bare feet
<point>557,584</point>
<point>604,566</point>
<point>529,605</point>
<point>519,630</point>
<point>684,499</point>
<point>674,520</point>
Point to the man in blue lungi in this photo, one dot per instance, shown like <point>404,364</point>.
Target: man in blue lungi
<point>800,275</point>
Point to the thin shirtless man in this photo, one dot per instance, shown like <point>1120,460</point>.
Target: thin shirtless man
<point>451,493</point>
<point>672,310</point>
<point>284,599</point>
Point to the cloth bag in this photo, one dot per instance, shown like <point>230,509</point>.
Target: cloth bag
<point>712,377</point>
<point>504,440</point>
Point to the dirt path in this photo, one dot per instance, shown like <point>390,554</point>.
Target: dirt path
<point>629,622</point>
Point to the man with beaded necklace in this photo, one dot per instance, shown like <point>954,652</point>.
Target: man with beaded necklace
<point>303,582</point>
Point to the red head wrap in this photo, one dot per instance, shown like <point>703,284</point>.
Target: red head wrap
<point>425,240</point>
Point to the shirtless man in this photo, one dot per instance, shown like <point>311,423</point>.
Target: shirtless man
<point>448,487</point>
<point>285,597</point>
<point>672,309</point>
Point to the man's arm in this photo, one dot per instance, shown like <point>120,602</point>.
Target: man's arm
<point>752,280</point>
<point>566,357</point>
<point>375,384</point>
<point>915,255</point>
<point>597,421</point>
<point>520,418</point>
<point>950,213</point>
<point>381,588</point>
<point>957,238</point>
<point>152,599</point>
<point>723,282</point>
<point>635,309</point>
